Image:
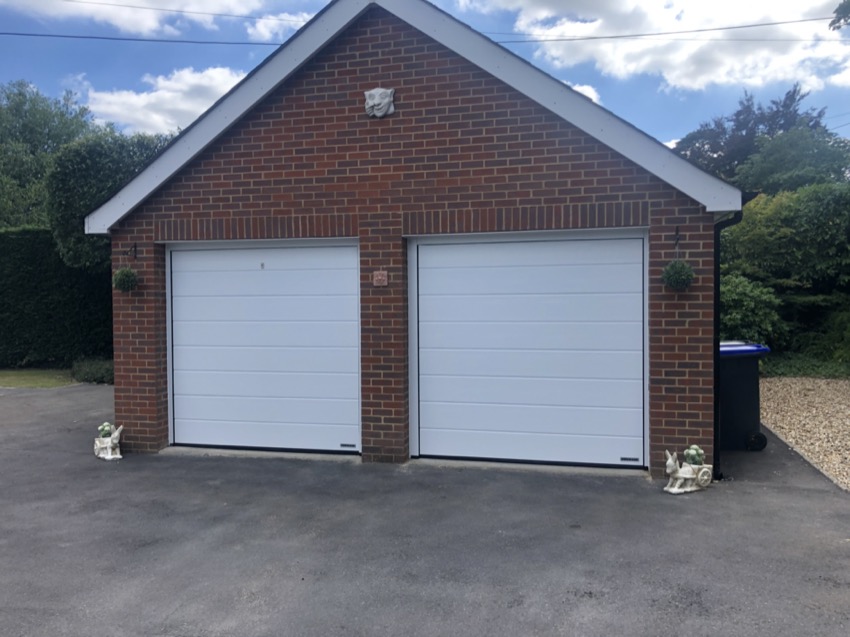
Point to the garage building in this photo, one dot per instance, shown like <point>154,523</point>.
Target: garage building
<point>470,269</point>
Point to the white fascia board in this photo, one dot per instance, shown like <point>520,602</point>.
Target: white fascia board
<point>716,195</point>
<point>242,98</point>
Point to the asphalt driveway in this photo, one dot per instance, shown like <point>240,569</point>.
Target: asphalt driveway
<point>212,546</point>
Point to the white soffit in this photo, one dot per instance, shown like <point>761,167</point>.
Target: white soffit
<point>716,195</point>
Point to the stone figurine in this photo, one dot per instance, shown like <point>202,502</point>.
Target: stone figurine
<point>106,444</point>
<point>686,478</point>
<point>379,102</point>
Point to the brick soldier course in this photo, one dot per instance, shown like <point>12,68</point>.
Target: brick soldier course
<point>464,152</point>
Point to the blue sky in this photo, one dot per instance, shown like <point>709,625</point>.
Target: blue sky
<point>664,84</point>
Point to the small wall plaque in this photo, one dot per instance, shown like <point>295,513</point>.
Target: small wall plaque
<point>380,278</point>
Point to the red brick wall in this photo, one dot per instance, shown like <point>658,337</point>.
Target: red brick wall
<point>462,153</point>
<point>681,335</point>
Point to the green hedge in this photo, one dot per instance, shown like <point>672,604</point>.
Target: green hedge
<point>50,314</point>
<point>749,311</point>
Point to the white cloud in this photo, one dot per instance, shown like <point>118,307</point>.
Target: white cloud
<point>139,19</point>
<point>277,27</point>
<point>174,101</point>
<point>587,91</point>
<point>807,52</point>
<point>842,78</point>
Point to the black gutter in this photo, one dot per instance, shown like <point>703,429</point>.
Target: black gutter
<point>718,227</point>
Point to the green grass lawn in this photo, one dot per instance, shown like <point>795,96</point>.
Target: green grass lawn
<point>35,378</point>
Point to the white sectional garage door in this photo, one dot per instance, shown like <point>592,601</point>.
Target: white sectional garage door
<point>532,350</point>
<point>265,347</point>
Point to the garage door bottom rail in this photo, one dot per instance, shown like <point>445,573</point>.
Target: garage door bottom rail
<point>271,450</point>
<point>541,463</point>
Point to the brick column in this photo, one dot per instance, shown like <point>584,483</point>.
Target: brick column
<point>681,334</point>
<point>384,343</point>
<point>139,339</point>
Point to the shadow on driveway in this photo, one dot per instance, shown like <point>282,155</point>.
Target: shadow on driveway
<point>210,546</point>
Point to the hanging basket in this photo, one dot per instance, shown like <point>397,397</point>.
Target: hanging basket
<point>125,279</point>
<point>678,275</point>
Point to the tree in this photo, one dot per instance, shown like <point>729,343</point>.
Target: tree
<point>32,128</point>
<point>842,15</point>
<point>84,175</point>
<point>796,244</point>
<point>722,145</point>
<point>748,311</point>
<point>794,241</point>
<point>799,157</point>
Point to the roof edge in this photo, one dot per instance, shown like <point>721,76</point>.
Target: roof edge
<point>217,119</point>
<point>715,194</point>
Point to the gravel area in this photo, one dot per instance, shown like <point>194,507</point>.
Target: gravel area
<point>813,416</point>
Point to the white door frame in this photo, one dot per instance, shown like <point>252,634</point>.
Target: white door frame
<point>242,245</point>
<point>508,237</point>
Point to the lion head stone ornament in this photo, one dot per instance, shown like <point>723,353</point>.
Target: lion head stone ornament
<point>379,102</point>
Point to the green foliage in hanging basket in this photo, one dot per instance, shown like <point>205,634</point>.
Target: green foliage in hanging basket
<point>125,279</point>
<point>678,275</point>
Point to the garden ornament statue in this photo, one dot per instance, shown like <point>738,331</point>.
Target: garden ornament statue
<point>106,444</point>
<point>691,475</point>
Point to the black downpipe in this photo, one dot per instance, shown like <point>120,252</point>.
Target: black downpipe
<point>718,227</point>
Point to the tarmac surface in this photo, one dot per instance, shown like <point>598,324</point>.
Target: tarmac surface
<point>198,544</point>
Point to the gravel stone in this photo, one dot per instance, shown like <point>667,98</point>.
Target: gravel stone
<point>812,415</point>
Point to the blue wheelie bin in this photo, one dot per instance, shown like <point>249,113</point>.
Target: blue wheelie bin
<point>739,421</point>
